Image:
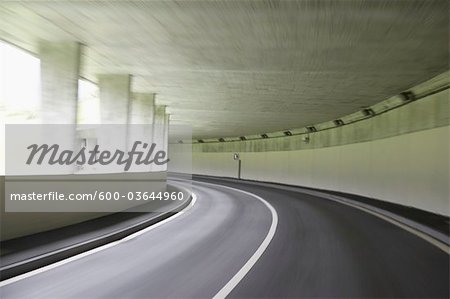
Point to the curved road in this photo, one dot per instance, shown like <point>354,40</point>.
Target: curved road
<point>320,249</point>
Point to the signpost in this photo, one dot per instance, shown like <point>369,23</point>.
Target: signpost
<point>236,158</point>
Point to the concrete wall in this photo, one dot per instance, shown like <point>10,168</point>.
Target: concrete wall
<point>13,225</point>
<point>410,169</point>
<point>400,156</point>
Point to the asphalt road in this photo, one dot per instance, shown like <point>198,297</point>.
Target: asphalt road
<point>326,249</point>
<point>320,249</point>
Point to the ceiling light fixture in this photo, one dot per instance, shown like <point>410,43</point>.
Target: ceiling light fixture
<point>338,122</point>
<point>368,112</point>
<point>311,129</point>
<point>408,96</point>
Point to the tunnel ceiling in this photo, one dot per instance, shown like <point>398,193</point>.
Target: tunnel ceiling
<point>231,68</point>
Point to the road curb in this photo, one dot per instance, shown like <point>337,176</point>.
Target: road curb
<point>42,260</point>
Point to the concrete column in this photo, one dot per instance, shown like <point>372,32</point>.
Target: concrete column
<point>142,114</point>
<point>158,126</point>
<point>60,66</point>
<point>166,132</point>
<point>114,91</point>
<point>114,98</point>
<point>142,108</point>
<point>159,132</point>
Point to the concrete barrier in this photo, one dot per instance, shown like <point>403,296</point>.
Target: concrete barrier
<point>17,224</point>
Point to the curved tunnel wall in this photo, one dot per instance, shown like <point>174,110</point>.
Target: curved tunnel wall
<point>14,225</point>
<point>400,156</point>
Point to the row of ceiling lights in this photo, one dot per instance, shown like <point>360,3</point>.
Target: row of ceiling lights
<point>407,96</point>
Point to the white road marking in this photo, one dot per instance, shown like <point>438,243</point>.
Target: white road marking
<point>98,249</point>
<point>348,202</point>
<point>425,237</point>
<point>435,242</point>
<point>234,281</point>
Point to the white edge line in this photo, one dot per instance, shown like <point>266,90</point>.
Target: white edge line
<point>348,202</point>
<point>98,249</point>
<point>411,230</point>
<point>234,281</point>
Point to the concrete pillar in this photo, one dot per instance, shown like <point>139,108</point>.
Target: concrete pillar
<point>114,98</point>
<point>159,132</point>
<point>142,108</point>
<point>166,132</point>
<point>60,67</point>
<point>114,91</point>
<point>158,126</point>
<point>142,114</point>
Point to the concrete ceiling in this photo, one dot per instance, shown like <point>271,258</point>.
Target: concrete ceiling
<point>231,68</point>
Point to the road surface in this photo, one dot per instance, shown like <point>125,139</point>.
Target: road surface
<point>319,248</point>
